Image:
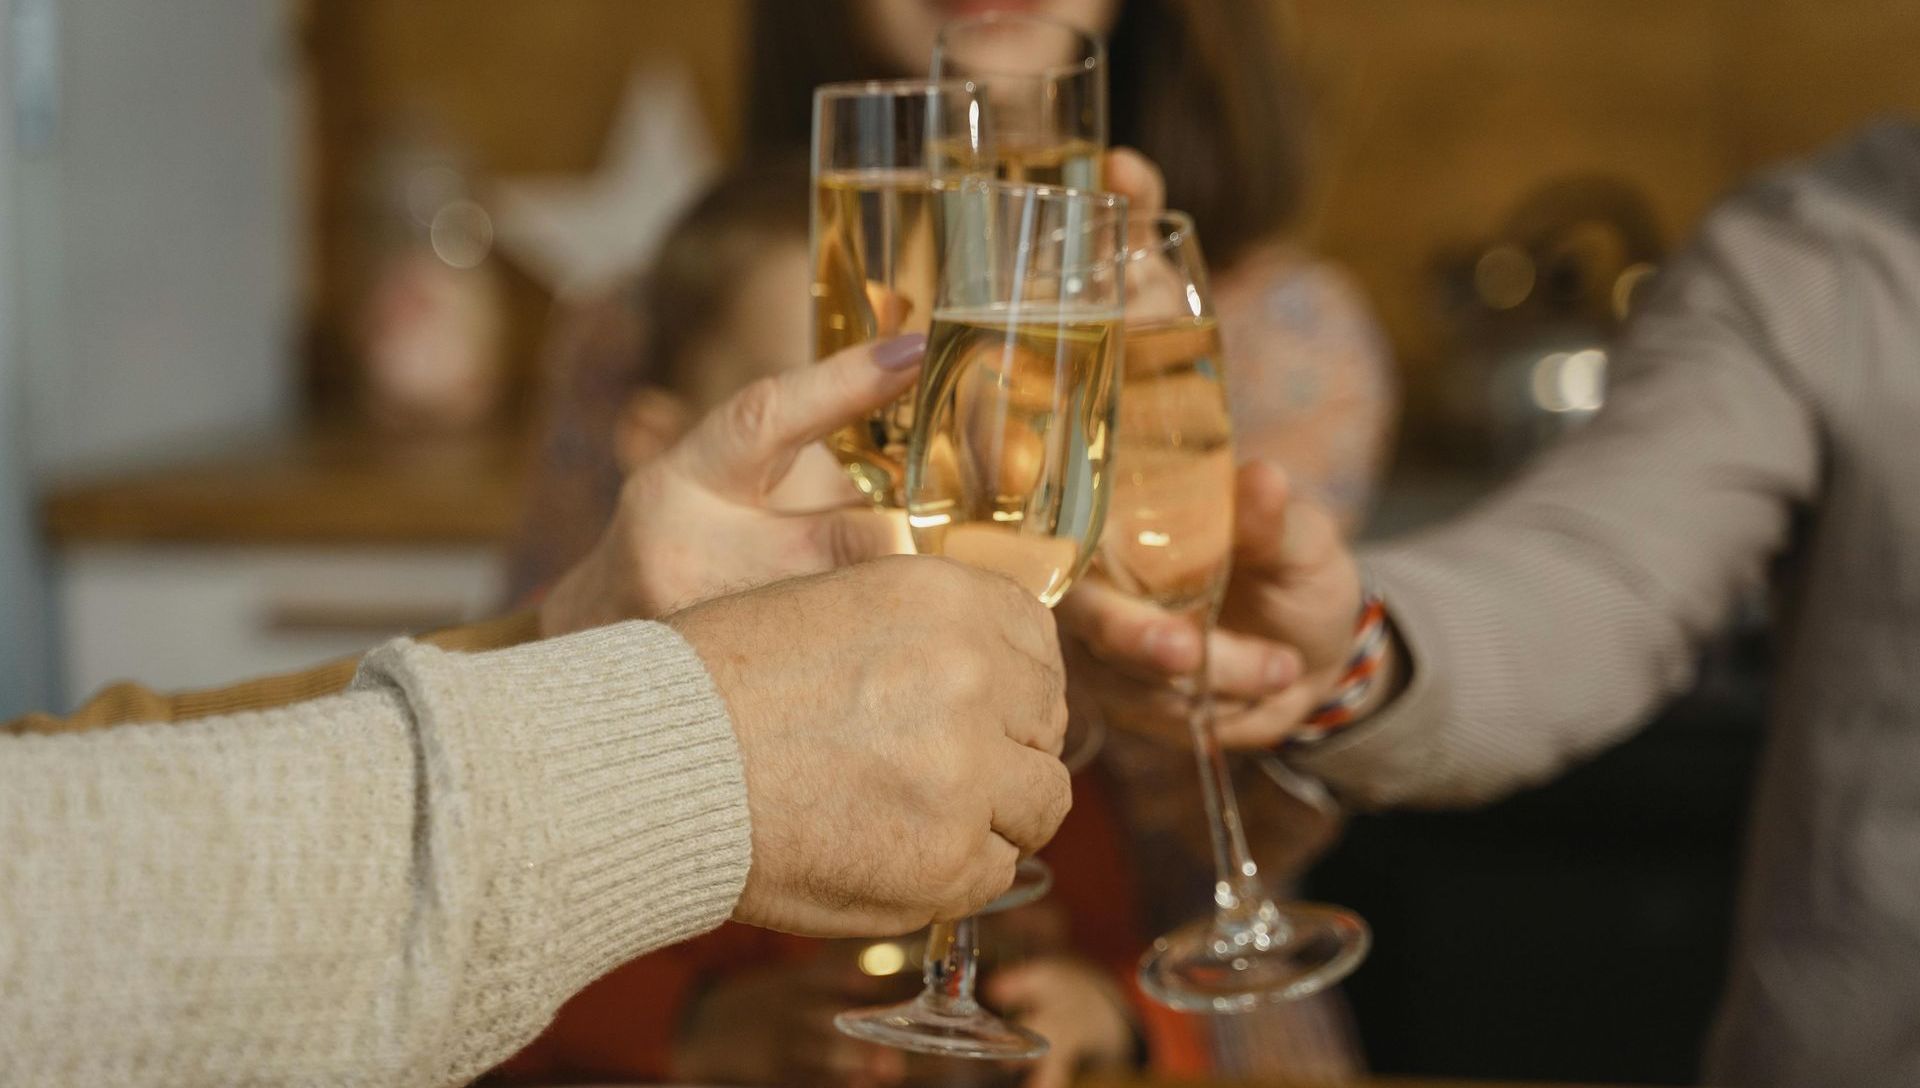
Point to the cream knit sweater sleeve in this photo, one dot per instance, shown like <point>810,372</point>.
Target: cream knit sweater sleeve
<point>397,885</point>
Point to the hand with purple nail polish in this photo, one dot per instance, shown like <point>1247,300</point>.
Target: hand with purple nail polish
<point>700,520</point>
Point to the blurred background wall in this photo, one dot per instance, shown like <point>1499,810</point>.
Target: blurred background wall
<point>147,256</point>
<point>1434,121</point>
<point>27,640</point>
<point>159,218</point>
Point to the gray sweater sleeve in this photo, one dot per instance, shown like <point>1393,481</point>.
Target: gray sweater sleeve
<point>1557,617</point>
<point>395,885</point>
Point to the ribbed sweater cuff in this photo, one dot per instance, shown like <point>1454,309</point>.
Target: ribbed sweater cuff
<point>648,797</point>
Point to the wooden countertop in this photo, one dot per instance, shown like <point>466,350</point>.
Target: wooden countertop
<point>1384,1082</point>
<point>315,487</point>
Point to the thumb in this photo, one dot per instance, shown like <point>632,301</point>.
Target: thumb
<point>1135,177</point>
<point>1294,581</point>
<point>742,448</point>
<point>1268,526</point>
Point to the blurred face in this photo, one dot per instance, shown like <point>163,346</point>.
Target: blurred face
<point>903,29</point>
<point>766,329</point>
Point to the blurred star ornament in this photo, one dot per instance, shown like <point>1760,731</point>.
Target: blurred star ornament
<point>581,235</point>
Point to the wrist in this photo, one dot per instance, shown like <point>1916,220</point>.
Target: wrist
<point>1369,678</point>
<point>1392,679</point>
<point>594,593</point>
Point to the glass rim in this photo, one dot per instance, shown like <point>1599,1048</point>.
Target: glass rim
<point>1095,52</point>
<point>893,88</point>
<point>1107,211</point>
<point>1099,198</point>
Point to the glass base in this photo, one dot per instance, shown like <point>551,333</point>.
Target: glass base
<point>1203,967</point>
<point>1032,878</point>
<point>967,1031</point>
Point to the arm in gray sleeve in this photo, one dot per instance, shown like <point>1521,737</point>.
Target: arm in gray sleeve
<point>1557,617</point>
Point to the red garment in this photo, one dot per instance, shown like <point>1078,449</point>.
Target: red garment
<point>623,1026</point>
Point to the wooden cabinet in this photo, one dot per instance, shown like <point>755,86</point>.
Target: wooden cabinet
<point>277,555</point>
<point>193,616</point>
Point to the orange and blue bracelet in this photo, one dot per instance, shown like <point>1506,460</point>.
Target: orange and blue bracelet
<point>1356,681</point>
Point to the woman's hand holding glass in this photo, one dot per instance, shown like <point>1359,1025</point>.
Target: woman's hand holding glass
<point>1284,636</point>
<point>696,521</point>
<point>1169,544</point>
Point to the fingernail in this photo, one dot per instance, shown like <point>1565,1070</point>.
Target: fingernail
<point>900,352</point>
<point>1169,640</point>
<point>1281,670</point>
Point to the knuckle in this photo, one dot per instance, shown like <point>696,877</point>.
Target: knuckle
<point>903,568</point>
<point>936,583</point>
<point>1056,796</point>
<point>1059,712</point>
<point>969,673</point>
<point>955,580</point>
<point>943,779</point>
<point>992,874</point>
<point>754,409</point>
<point>1023,603</point>
<point>950,873</point>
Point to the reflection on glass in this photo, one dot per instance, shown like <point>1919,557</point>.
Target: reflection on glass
<point>873,243</point>
<point>1007,470</point>
<point>1169,541</point>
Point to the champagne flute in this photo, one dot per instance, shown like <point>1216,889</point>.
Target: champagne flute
<point>1169,541</point>
<point>1007,471</point>
<point>1045,84</point>
<point>873,247</point>
<point>874,251</point>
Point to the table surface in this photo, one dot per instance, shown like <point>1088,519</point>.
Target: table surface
<point>1370,1082</point>
<point>1383,1082</point>
<point>306,487</point>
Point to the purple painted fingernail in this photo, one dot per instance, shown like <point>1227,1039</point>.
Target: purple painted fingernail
<point>900,352</point>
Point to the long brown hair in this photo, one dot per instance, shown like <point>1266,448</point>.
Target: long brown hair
<point>1199,86</point>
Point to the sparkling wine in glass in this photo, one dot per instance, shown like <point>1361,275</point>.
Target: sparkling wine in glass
<point>877,148</point>
<point>1042,87</point>
<point>1044,83</point>
<point>1169,541</point>
<point>1007,470</point>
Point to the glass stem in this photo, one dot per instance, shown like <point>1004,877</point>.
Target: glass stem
<point>951,963</point>
<point>1240,899</point>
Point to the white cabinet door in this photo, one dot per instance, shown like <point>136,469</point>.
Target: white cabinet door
<point>191,617</point>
